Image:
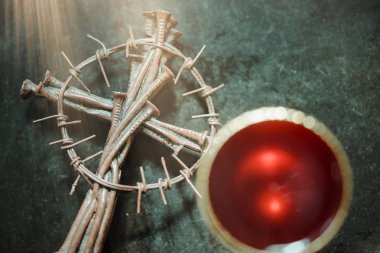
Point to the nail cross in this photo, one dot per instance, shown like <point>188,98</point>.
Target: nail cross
<point>127,113</point>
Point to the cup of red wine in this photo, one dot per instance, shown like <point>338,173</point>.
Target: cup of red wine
<point>275,180</point>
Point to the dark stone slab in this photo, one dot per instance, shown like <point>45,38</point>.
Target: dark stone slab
<point>321,57</point>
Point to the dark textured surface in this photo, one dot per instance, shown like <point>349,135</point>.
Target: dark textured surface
<point>321,57</point>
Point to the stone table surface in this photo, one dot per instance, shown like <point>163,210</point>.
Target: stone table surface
<point>321,57</point>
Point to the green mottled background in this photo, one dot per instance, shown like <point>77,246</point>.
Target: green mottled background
<point>321,57</point>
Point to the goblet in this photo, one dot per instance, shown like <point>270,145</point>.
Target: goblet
<point>275,180</point>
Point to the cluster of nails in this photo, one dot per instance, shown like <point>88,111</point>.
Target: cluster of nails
<point>127,113</point>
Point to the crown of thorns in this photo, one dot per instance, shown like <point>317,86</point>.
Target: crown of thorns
<point>127,112</point>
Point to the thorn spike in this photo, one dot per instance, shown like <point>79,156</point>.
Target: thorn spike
<point>160,187</point>
<point>74,185</point>
<point>92,156</point>
<point>205,115</point>
<point>194,91</point>
<point>48,117</point>
<point>78,142</point>
<point>199,54</point>
<point>168,180</point>
<point>184,174</point>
